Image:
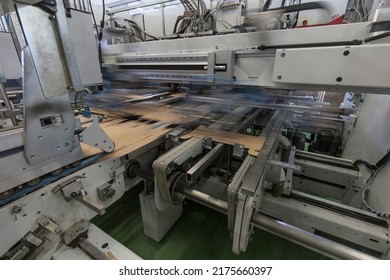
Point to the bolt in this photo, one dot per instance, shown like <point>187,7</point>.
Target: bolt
<point>45,223</point>
<point>16,209</point>
<point>57,230</point>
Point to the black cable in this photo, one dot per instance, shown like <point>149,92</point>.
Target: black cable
<point>93,17</point>
<point>104,10</point>
<point>135,25</point>
<point>97,34</point>
<point>312,45</point>
<point>376,166</point>
<point>266,5</point>
<point>297,16</point>
<point>187,23</point>
<point>75,98</point>
<point>179,18</point>
<point>383,160</point>
<point>102,22</point>
<point>366,163</point>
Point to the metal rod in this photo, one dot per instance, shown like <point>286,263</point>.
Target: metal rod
<point>7,103</point>
<point>142,5</point>
<point>91,204</point>
<point>284,230</point>
<point>204,199</point>
<point>309,240</point>
<point>14,92</point>
<point>251,104</point>
<point>92,251</point>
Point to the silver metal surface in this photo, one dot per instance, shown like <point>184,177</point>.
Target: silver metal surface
<point>254,66</point>
<point>260,105</point>
<point>287,186</point>
<point>13,226</point>
<point>328,173</point>
<point>324,220</point>
<point>286,165</point>
<point>71,63</point>
<point>161,168</point>
<point>92,251</point>
<point>80,5</point>
<point>49,122</point>
<point>70,188</point>
<point>95,136</point>
<point>197,170</point>
<point>92,204</point>
<point>343,162</point>
<point>9,60</point>
<point>255,172</point>
<point>340,66</point>
<point>234,188</point>
<point>287,231</point>
<point>85,48</point>
<point>246,41</point>
<point>157,222</point>
<point>242,227</point>
<point>75,231</point>
<point>142,5</point>
<point>15,168</point>
<point>45,51</point>
<point>205,199</point>
<point>370,141</point>
<point>309,240</point>
<point>49,224</point>
<point>115,250</point>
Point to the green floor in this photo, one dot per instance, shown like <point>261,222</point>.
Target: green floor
<point>201,233</point>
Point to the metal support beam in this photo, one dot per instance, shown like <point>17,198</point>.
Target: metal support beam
<point>255,172</point>
<point>142,5</point>
<point>7,103</point>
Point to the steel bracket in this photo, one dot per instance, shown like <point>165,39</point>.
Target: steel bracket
<point>95,136</point>
<point>70,188</point>
<point>238,151</point>
<point>71,235</point>
<point>49,225</point>
<point>207,143</point>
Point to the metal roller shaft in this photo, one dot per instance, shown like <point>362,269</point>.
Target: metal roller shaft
<point>286,231</point>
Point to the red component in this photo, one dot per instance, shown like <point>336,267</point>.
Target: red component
<point>337,20</point>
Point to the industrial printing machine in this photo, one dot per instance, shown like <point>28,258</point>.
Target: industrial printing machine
<point>284,129</point>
